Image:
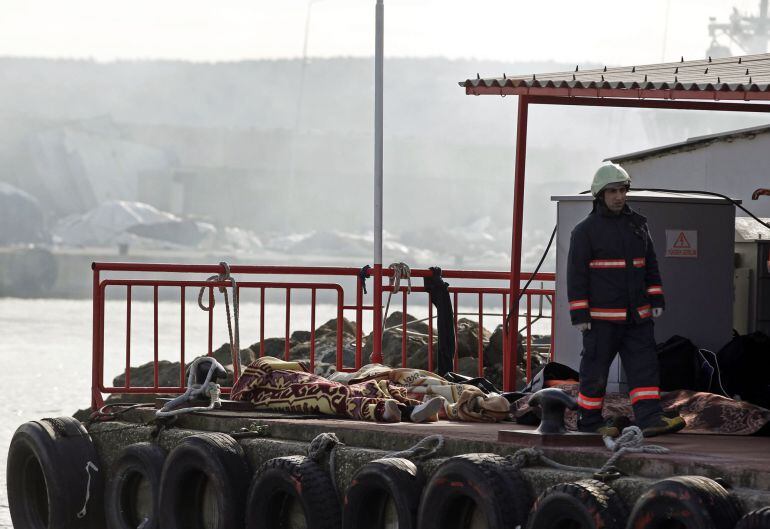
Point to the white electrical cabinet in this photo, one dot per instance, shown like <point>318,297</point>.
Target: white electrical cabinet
<point>694,238</point>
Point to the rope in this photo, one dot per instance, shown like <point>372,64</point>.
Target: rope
<point>328,442</point>
<point>101,415</point>
<point>630,441</point>
<point>89,466</point>
<point>208,389</point>
<point>235,341</point>
<point>424,449</point>
<point>400,270</point>
<point>319,446</point>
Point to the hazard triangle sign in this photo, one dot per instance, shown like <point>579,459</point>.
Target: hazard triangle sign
<point>681,243</point>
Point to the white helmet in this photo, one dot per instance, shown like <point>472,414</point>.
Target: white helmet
<point>609,174</point>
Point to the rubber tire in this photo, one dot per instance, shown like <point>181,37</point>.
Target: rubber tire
<point>695,502</point>
<point>140,461</point>
<point>586,504</point>
<point>212,462</point>
<point>297,478</point>
<point>47,477</point>
<point>395,479</point>
<point>758,519</point>
<point>488,481</point>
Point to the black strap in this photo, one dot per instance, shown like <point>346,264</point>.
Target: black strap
<point>362,275</point>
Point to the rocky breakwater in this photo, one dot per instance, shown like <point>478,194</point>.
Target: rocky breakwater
<point>417,337</point>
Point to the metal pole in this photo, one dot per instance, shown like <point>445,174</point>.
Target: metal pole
<point>298,114</point>
<point>379,46</point>
<point>509,377</point>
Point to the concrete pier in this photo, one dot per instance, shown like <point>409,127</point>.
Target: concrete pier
<point>740,461</point>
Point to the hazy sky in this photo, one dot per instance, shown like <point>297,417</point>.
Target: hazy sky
<point>612,31</point>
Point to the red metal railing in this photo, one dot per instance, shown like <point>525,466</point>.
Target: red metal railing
<point>311,283</point>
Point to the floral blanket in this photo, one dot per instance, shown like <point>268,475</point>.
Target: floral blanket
<point>704,413</point>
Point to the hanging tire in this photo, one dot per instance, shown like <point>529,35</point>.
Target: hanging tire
<point>586,504</point>
<point>292,492</point>
<point>759,519</point>
<point>475,491</point>
<point>54,476</point>
<point>686,502</point>
<point>204,484</point>
<point>384,493</point>
<point>134,490</point>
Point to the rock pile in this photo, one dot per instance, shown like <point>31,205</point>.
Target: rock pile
<point>326,351</point>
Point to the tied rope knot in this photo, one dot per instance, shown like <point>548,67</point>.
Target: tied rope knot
<point>424,449</point>
<point>630,441</point>
<point>235,339</point>
<point>208,388</point>
<point>526,457</point>
<point>400,271</point>
<point>321,444</point>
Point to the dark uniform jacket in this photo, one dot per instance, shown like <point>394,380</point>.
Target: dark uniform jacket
<point>612,272</point>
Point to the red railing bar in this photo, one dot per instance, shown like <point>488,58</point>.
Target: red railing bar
<point>234,269</point>
<point>303,270</point>
<point>485,290</point>
<point>236,359</point>
<point>244,284</point>
<point>128,336</point>
<point>454,356</point>
<point>481,335</point>
<point>513,349</point>
<point>288,330</point>
<point>359,319</point>
<point>262,322</point>
<point>182,335</point>
<point>340,302</point>
<point>553,319</point>
<point>312,331</point>
<point>506,345</point>
<point>403,327</point>
<point>211,321</point>
<point>354,307</point>
<point>529,337</point>
<point>155,336</point>
<point>430,333</point>
<point>97,346</point>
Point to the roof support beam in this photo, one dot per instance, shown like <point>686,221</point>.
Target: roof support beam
<point>649,103</point>
<point>509,360</point>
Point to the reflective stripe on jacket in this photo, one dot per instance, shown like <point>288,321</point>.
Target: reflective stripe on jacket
<point>612,269</point>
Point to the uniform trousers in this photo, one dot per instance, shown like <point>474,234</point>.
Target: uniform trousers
<point>636,345</point>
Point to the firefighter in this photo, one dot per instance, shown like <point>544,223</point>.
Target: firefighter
<point>615,291</point>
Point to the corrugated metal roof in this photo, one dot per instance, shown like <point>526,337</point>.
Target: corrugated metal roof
<point>746,78</point>
<point>690,143</point>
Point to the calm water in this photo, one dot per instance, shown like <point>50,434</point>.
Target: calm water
<point>46,350</point>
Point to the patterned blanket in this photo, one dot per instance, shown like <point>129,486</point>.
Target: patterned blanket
<point>704,413</point>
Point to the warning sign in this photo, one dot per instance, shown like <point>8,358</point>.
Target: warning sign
<point>681,243</point>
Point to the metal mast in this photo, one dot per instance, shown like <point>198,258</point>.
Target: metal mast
<point>750,33</point>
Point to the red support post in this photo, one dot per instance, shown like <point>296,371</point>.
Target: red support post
<point>480,354</point>
<point>128,336</point>
<point>312,330</point>
<point>359,320</point>
<point>286,342</point>
<point>182,337</point>
<point>430,333</point>
<point>509,378</point>
<point>377,316</point>
<point>403,328</point>
<point>97,351</point>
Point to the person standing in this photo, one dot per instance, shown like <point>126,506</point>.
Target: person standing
<point>615,291</point>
